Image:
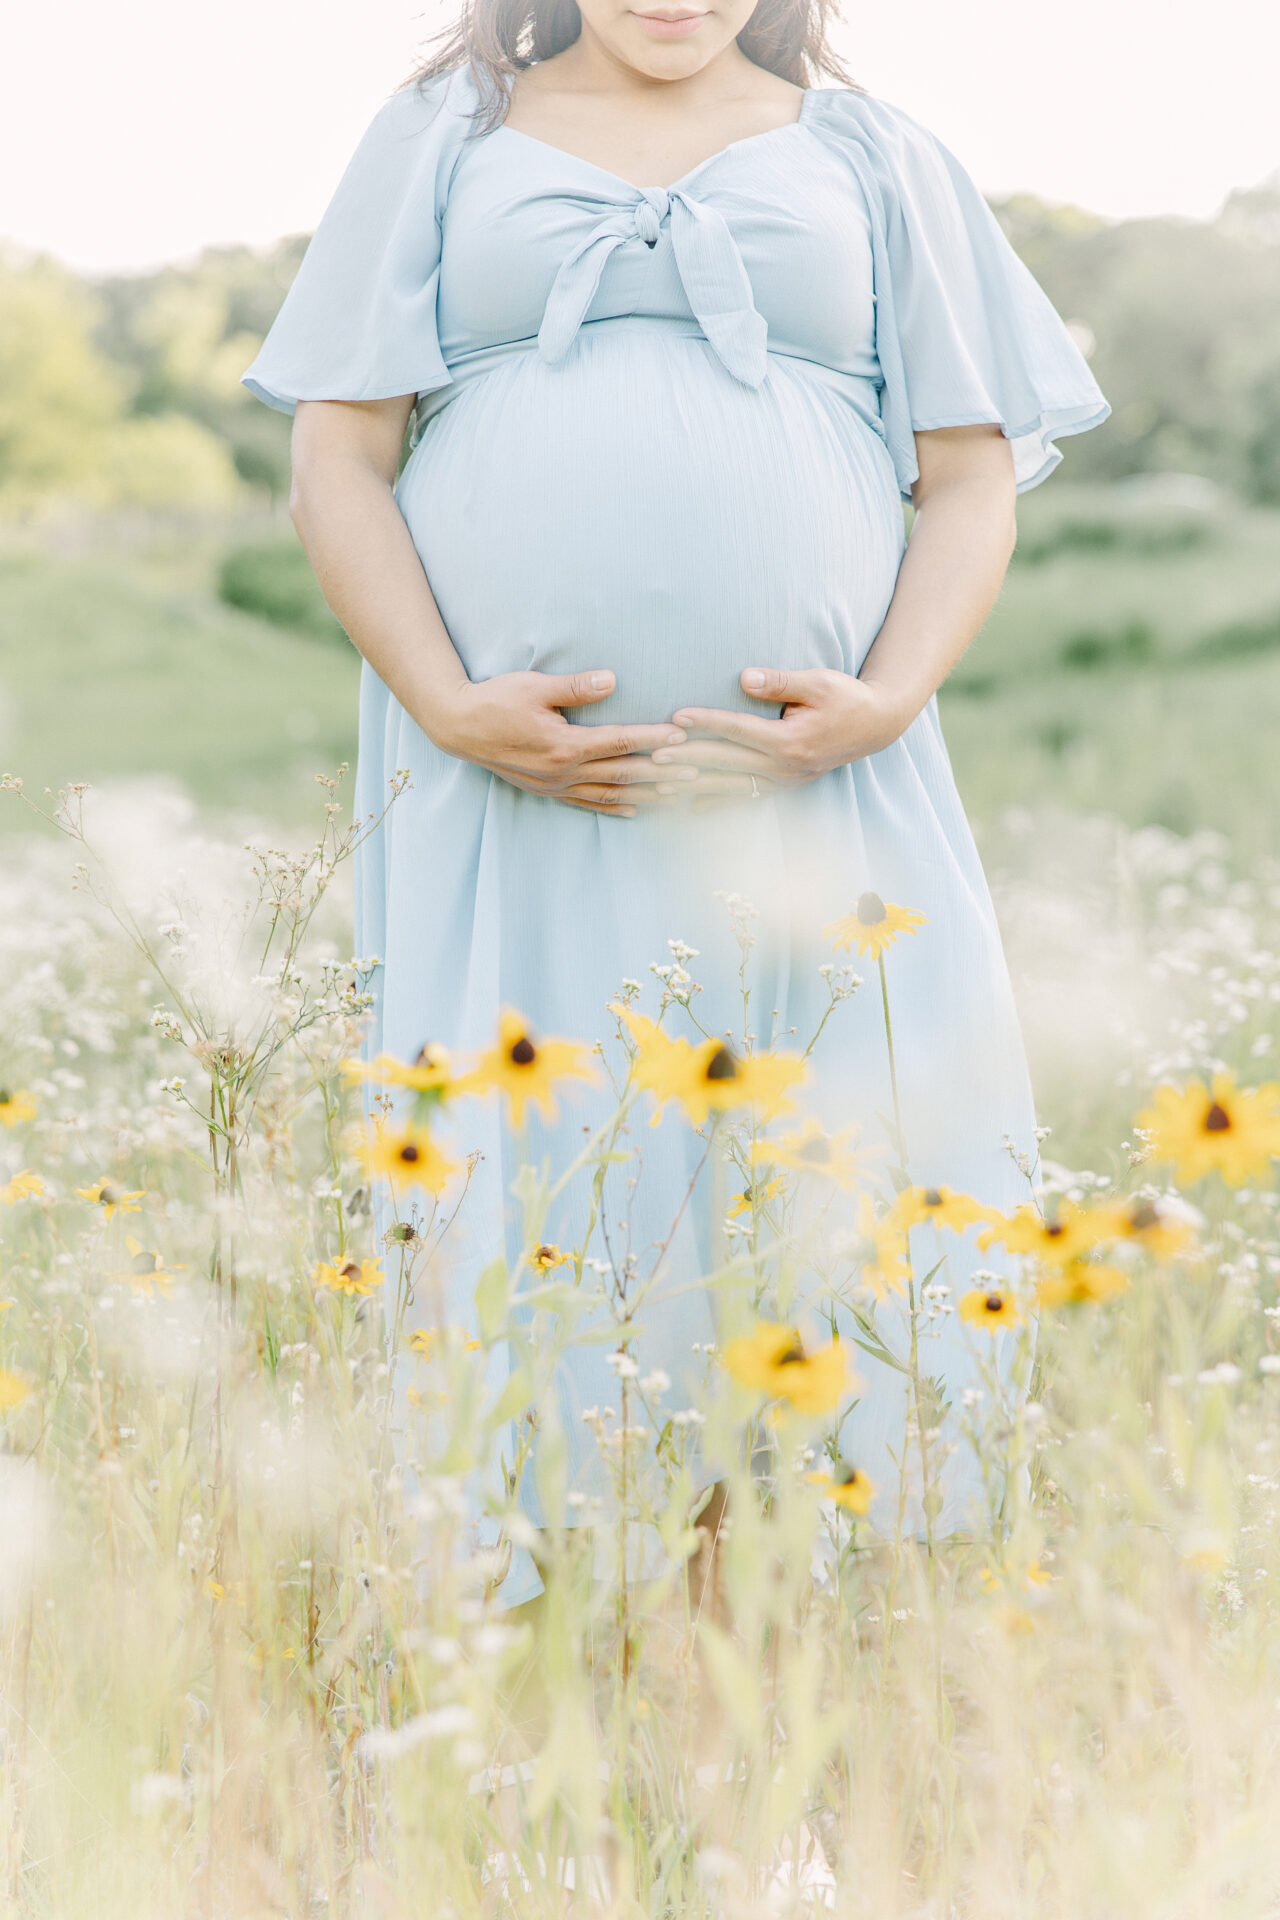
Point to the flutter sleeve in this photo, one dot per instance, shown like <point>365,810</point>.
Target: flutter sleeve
<point>964,332</point>
<point>359,321</point>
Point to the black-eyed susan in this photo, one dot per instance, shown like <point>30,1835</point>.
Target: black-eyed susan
<point>1162,1226</point>
<point>13,1391</point>
<point>711,1078</point>
<point>872,927</point>
<point>112,1197</point>
<point>15,1107</point>
<point>407,1156</point>
<point>1224,1129</point>
<point>526,1069</point>
<point>771,1361</point>
<point>355,1277</point>
<point>992,1307</point>
<point>809,1149</point>
<point>881,1251</point>
<point>429,1074</point>
<point>146,1272</point>
<point>1054,1238</point>
<point>940,1207</point>
<point>849,1487</point>
<point>761,1193</point>
<point>546,1255</point>
<point>23,1186</point>
<point>1081,1282</point>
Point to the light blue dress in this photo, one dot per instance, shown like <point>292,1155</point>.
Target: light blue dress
<point>669,431</point>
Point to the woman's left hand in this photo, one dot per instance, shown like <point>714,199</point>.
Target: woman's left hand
<point>829,719</point>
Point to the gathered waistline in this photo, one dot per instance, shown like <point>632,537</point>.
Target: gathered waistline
<point>861,390</point>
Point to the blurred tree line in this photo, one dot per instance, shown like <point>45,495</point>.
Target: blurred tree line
<point>125,390</point>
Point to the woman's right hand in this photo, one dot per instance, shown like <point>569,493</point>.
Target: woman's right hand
<point>512,726</point>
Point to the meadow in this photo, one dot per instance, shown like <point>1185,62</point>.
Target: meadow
<point>250,1663</point>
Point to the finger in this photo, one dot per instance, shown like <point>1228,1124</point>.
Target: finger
<point>614,743</point>
<point>797,687</point>
<point>710,784</point>
<point>743,729</point>
<point>717,754</point>
<point>576,689</point>
<point>638,769</point>
<point>625,811</point>
<point>598,794</point>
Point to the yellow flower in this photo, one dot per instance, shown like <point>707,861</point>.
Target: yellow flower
<point>112,1198</point>
<point>991,1307</point>
<point>543,1258</point>
<point>15,1107</point>
<point>23,1186</point>
<point>942,1206</point>
<point>709,1077</point>
<point>849,1487</point>
<point>761,1193</point>
<point>810,1150</point>
<point>13,1391</point>
<point>1151,1224</point>
<point>1225,1129</point>
<point>353,1277</point>
<point>146,1272</point>
<point>430,1072</point>
<point>770,1360</point>
<point>407,1156</point>
<point>526,1069</point>
<point>422,1339</point>
<point>873,926</point>
<point>1031,1577</point>
<point>1067,1233</point>
<point>883,1257</point>
<point>1079,1283</point>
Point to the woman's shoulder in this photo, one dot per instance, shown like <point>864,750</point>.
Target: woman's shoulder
<point>443,102</point>
<point>881,128</point>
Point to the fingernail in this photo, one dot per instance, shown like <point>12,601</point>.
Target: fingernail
<point>754,680</point>
<point>661,759</point>
<point>668,793</point>
<point>687,773</point>
<point>676,739</point>
<point>599,681</point>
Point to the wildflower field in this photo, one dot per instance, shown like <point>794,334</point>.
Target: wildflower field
<point>251,1659</point>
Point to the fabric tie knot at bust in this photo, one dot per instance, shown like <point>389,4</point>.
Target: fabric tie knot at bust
<point>707,260</point>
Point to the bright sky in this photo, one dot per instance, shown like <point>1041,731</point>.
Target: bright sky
<point>137,133</point>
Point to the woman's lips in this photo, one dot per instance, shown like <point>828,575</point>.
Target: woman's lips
<point>670,26</point>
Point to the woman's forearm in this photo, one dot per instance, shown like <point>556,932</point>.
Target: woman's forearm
<point>951,573</point>
<point>369,572</point>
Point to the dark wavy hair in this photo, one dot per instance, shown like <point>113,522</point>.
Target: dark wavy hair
<point>499,38</point>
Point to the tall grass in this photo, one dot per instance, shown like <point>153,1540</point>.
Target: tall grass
<point>251,1662</point>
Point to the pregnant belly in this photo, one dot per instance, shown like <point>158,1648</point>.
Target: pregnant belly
<point>636,509</point>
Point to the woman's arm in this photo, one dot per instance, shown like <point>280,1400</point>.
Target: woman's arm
<point>951,572</point>
<point>342,502</point>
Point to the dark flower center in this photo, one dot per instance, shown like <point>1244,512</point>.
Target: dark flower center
<point>1142,1216</point>
<point>145,1263</point>
<point>932,1197</point>
<point>994,1302</point>
<point>722,1065</point>
<point>5,1097</point>
<point>818,1150</point>
<point>850,1477</point>
<point>426,1055</point>
<point>791,1358</point>
<point>870,909</point>
<point>524,1053</point>
<point>1054,1229</point>
<point>110,1194</point>
<point>1217,1120</point>
<point>409,1155</point>
<point>350,1271</point>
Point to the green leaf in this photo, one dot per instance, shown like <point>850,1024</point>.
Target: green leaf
<point>492,1298</point>
<point>513,1399</point>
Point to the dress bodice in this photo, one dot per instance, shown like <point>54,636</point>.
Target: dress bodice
<point>765,248</point>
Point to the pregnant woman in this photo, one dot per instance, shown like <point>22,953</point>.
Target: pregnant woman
<point>678,332</point>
